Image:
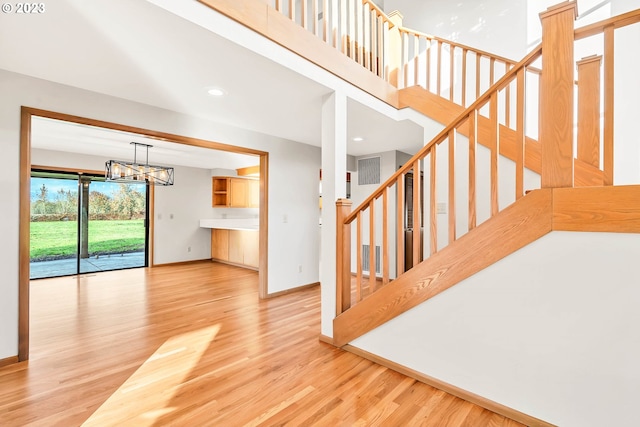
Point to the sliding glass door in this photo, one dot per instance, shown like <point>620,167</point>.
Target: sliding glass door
<point>82,224</point>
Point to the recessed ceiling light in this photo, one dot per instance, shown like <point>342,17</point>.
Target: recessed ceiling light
<point>215,91</point>
<point>358,139</point>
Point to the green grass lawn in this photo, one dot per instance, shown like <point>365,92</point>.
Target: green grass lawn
<point>58,239</point>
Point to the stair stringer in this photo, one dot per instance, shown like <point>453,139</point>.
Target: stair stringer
<point>613,209</point>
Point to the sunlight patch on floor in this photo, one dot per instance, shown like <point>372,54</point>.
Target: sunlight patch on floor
<point>145,396</point>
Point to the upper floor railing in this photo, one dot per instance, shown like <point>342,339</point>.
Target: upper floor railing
<point>401,56</point>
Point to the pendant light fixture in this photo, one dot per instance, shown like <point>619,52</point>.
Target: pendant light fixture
<point>121,171</point>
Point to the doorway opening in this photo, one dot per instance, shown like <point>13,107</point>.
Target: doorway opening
<point>187,143</point>
<point>81,223</point>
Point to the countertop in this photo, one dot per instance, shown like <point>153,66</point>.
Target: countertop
<point>250,224</point>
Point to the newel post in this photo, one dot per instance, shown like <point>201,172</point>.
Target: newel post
<point>556,95</point>
<point>343,256</point>
<point>394,49</point>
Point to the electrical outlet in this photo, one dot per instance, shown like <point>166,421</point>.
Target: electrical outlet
<point>441,208</point>
<point>170,216</point>
<point>189,249</point>
<point>300,269</point>
<point>285,218</point>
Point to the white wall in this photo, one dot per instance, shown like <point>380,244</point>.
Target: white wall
<point>550,330</point>
<point>626,95</point>
<point>488,25</point>
<point>293,184</point>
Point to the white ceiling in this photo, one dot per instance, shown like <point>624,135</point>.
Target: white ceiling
<point>135,50</point>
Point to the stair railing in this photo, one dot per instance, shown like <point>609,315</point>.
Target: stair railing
<point>452,70</point>
<point>426,163</point>
<point>439,160</point>
<point>401,56</point>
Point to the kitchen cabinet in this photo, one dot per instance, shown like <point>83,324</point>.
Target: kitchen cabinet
<point>219,244</point>
<point>231,192</point>
<point>239,247</point>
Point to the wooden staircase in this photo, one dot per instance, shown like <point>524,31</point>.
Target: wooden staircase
<point>507,228</point>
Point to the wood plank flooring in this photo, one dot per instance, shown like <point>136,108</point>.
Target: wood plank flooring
<point>192,345</point>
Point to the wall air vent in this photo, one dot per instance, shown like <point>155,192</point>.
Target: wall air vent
<point>365,258</point>
<point>369,171</point>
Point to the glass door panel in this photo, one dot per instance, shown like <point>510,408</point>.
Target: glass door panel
<point>114,234</point>
<point>54,226</point>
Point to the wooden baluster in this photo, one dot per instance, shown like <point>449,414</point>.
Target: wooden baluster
<point>325,20</point>
<point>507,99</point>
<point>352,32</point>
<point>417,214</point>
<point>359,34</point>
<point>452,64</point>
<point>473,141</point>
<point>477,75</point>
<point>452,186</point>
<point>366,46</point>
<point>405,60</point>
<point>608,107</point>
<point>372,246</point>
<point>334,24</point>
<point>520,133</point>
<point>492,66</point>
<point>428,60</point>
<point>343,257</point>
<point>385,236</point>
<point>279,5</point>
<point>359,257</point>
<point>381,47</point>
<point>344,34</point>
<point>464,78</point>
<point>433,203</point>
<point>384,61</point>
<point>416,59</point>
<point>556,98</point>
<point>303,13</point>
<point>494,140</point>
<point>292,10</point>
<point>374,43</point>
<point>589,110</point>
<point>439,72</point>
<point>314,10</point>
<point>400,225</point>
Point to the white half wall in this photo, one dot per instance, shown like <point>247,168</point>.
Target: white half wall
<point>550,330</point>
<point>293,181</point>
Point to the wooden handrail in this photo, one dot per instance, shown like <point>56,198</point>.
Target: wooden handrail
<point>379,12</point>
<point>443,134</point>
<point>616,22</point>
<point>458,45</point>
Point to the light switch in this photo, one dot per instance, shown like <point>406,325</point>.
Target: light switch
<point>441,208</point>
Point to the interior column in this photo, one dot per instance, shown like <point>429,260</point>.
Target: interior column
<point>334,186</point>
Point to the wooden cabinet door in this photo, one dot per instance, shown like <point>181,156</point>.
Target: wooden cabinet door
<point>235,247</point>
<point>238,193</point>
<point>250,248</point>
<point>254,193</point>
<point>220,244</point>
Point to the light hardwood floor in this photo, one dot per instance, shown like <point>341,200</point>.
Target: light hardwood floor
<point>191,345</point>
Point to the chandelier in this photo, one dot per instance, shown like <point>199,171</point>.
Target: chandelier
<point>121,171</point>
